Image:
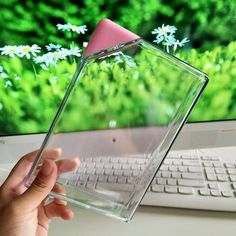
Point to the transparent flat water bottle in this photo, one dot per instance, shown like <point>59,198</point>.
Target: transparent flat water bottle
<point>120,115</point>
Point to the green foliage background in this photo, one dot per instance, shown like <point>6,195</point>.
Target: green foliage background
<point>30,105</point>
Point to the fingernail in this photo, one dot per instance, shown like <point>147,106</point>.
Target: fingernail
<point>47,168</point>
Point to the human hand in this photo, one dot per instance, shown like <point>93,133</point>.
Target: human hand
<point>23,211</point>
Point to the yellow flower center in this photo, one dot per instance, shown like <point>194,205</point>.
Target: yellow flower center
<point>162,31</point>
<point>73,27</point>
<point>56,55</point>
<point>26,49</point>
<point>11,50</point>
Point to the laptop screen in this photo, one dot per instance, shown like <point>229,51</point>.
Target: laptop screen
<point>41,44</point>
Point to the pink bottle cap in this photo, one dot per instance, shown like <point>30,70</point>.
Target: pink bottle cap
<point>108,34</point>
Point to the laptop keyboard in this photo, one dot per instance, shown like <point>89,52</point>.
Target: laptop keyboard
<point>186,181</point>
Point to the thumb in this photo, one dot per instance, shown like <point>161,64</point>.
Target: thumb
<point>41,186</point>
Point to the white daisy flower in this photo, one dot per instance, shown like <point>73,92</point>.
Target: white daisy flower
<point>74,52</point>
<point>26,50</point>
<point>63,27</point>
<point>79,29</point>
<point>73,28</point>
<point>9,50</point>
<point>52,46</point>
<point>51,58</point>
<point>164,30</point>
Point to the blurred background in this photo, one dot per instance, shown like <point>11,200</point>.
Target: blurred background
<point>30,94</point>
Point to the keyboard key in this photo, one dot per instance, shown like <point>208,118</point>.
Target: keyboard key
<point>108,165</point>
<point>161,181</point>
<point>231,171</point>
<point>111,179</point>
<point>219,171</point>
<point>171,189</point>
<point>185,190</point>
<point>183,168</point>
<point>121,179</point>
<point>194,169</point>
<point>217,164</point>
<point>227,193</point>
<point>92,178</point>
<point>99,171</point>
<point>102,178</point>
<point>99,165</point>
<point>176,175</point>
<point>108,172</point>
<point>173,168</point>
<point>211,177</point>
<point>215,193</point>
<point>229,165</point>
<point>135,167</point>
<point>191,183</point>
<point>191,163</point>
<point>209,170</point>
<point>165,174</point>
<point>90,165</point>
<point>90,171</point>
<point>127,173</point>
<point>192,176</point>
<point>222,178</point>
<point>118,172</point>
<point>83,177</point>
<point>81,170</point>
<point>125,166</point>
<point>207,164</point>
<point>204,192</point>
<point>213,185</point>
<point>177,162</point>
<point>116,166</point>
<point>131,180</point>
<point>157,188</point>
<point>171,182</point>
